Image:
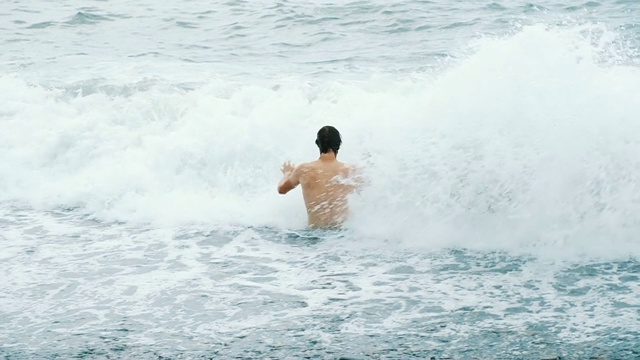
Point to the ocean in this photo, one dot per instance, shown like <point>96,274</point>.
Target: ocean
<point>140,150</point>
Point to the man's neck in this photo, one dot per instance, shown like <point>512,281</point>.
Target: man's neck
<point>330,156</point>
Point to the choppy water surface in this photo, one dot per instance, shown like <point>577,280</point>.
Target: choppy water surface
<point>140,146</point>
<point>77,287</point>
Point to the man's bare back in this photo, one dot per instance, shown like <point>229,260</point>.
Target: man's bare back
<point>326,185</point>
<point>325,188</point>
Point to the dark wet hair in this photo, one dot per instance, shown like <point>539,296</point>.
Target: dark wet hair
<point>328,139</point>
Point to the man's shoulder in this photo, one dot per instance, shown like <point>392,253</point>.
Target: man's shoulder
<point>304,166</point>
<point>349,168</point>
<point>318,165</point>
<point>310,167</point>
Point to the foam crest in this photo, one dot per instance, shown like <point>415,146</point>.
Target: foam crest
<point>527,144</point>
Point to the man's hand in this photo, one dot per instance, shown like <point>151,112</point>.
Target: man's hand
<point>287,168</point>
<point>289,178</point>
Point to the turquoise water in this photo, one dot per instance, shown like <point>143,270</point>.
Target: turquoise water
<point>141,146</point>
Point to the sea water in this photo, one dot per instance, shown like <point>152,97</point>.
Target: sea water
<point>140,147</point>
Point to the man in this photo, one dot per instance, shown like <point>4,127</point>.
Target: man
<point>326,182</point>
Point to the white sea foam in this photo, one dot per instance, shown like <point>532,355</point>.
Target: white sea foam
<point>528,144</point>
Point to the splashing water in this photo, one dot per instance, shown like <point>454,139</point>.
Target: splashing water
<point>529,142</point>
<point>140,215</point>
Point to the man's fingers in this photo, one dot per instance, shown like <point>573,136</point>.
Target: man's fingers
<point>287,167</point>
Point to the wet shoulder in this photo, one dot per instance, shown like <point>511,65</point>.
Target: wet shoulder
<point>304,167</point>
<point>327,169</point>
<point>304,170</point>
<point>347,170</point>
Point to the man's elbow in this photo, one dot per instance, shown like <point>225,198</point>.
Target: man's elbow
<point>283,189</point>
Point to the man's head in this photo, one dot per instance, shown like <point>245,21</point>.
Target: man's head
<point>328,139</point>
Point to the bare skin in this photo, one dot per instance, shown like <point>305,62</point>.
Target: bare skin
<point>326,185</point>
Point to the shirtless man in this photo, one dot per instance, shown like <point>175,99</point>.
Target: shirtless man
<point>326,182</point>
